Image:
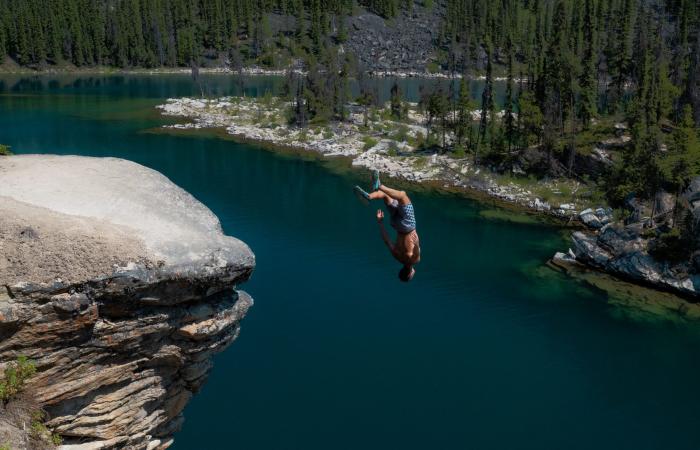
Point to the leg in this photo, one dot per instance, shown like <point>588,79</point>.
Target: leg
<point>376,195</point>
<point>400,196</point>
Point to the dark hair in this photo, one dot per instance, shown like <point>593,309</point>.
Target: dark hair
<point>405,273</point>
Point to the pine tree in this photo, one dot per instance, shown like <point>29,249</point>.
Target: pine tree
<point>395,101</point>
<point>587,83</point>
<point>508,117</point>
<point>488,108</point>
<point>683,161</point>
<point>464,109</point>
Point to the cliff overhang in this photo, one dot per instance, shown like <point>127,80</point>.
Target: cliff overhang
<point>120,286</point>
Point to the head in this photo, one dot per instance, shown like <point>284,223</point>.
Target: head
<point>406,273</point>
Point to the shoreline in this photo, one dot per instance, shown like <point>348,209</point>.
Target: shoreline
<point>368,149</point>
<point>246,71</point>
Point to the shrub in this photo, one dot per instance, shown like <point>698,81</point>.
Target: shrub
<point>40,432</point>
<point>328,133</point>
<point>401,134</point>
<point>4,151</point>
<point>673,246</point>
<point>393,149</point>
<point>459,152</point>
<point>16,374</point>
<point>418,141</point>
<point>369,142</point>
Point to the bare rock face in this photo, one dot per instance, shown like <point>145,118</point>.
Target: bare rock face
<point>622,252</point>
<point>406,43</point>
<point>120,285</point>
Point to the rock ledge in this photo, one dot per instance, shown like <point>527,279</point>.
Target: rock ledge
<point>120,285</point>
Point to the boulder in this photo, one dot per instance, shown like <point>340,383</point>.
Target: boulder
<point>664,203</point>
<point>639,211</point>
<point>590,219</point>
<point>597,218</point>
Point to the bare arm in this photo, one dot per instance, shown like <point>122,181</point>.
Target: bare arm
<point>385,235</point>
<point>382,230</point>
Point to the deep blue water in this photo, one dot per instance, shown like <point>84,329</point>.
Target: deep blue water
<point>485,349</point>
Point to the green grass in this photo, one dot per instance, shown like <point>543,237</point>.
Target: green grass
<point>40,432</point>
<point>558,191</point>
<point>15,376</point>
<point>4,151</point>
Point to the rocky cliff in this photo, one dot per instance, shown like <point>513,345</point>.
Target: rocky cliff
<point>631,249</point>
<point>120,285</point>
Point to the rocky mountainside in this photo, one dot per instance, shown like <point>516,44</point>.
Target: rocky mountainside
<point>120,286</point>
<point>406,43</point>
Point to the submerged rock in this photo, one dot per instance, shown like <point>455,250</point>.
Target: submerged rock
<point>120,285</point>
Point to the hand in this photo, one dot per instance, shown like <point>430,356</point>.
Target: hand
<point>380,215</point>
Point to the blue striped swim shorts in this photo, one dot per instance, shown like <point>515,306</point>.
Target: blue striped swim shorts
<point>403,218</point>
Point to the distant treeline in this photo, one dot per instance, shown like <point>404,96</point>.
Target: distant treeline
<point>151,33</point>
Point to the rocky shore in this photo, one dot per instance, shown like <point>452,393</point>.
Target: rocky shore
<point>373,142</point>
<point>624,248</point>
<point>120,286</point>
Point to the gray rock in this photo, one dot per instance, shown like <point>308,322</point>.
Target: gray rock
<point>693,191</point>
<point>621,251</point>
<point>639,211</point>
<point>121,346</point>
<point>590,219</point>
<point>586,249</point>
<point>605,215</point>
<point>695,259</point>
<point>664,203</point>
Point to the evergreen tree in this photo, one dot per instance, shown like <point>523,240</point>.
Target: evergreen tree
<point>395,102</point>
<point>465,106</point>
<point>488,109</point>
<point>587,83</point>
<point>508,117</point>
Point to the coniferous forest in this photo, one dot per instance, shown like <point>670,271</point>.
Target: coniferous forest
<point>574,69</point>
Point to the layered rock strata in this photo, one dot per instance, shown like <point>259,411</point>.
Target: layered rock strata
<point>121,286</point>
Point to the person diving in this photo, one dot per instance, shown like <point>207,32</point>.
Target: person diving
<point>406,248</point>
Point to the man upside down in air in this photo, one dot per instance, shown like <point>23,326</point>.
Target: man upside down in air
<point>406,249</point>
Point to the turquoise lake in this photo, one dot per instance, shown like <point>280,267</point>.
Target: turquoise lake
<point>485,349</point>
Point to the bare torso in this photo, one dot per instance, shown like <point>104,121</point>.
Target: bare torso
<point>407,248</point>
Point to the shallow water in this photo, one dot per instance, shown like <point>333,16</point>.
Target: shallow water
<point>485,349</point>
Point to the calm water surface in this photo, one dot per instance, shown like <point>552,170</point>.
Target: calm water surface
<point>485,349</point>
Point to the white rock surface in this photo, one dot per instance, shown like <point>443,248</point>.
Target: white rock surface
<point>172,223</point>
